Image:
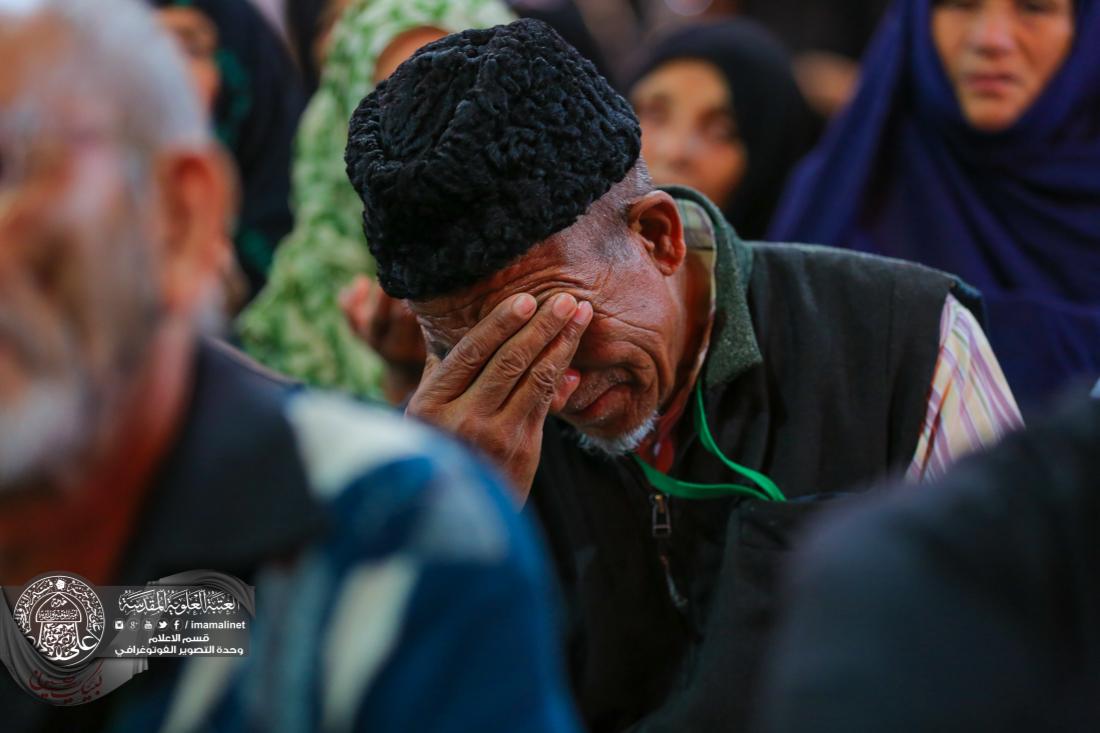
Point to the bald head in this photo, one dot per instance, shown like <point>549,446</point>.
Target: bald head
<point>68,61</point>
<point>112,224</point>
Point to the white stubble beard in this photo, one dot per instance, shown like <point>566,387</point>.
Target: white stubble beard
<point>621,445</point>
<point>42,429</point>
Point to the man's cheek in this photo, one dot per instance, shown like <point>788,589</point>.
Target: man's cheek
<point>93,187</point>
<point>14,375</point>
<point>50,225</point>
<point>25,218</point>
<point>594,339</point>
<point>34,337</point>
<point>65,275</point>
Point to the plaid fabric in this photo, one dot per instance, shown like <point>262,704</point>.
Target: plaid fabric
<point>698,230</point>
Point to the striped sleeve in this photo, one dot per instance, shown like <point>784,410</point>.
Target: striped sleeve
<point>970,405</point>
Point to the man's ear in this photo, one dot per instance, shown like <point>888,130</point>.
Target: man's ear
<point>196,197</point>
<point>656,219</point>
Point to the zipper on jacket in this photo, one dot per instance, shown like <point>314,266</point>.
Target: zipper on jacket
<point>662,530</point>
<point>662,519</point>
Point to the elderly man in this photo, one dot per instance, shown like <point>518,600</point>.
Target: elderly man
<point>388,565</point>
<point>505,197</point>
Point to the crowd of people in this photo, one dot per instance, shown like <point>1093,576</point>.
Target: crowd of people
<point>563,365</point>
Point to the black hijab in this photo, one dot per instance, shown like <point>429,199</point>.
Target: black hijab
<point>255,115</point>
<point>775,123</point>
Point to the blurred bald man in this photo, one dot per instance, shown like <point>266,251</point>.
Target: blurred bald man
<point>131,447</point>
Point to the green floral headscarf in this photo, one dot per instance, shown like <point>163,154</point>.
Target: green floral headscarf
<point>295,325</point>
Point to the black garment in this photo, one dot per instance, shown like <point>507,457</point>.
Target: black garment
<point>303,21</point>
<point>971,605</point>
<point>773,119</point>
<point>256,114</point>
<point>837,26</point>
<point>818,376</point>
<point>235,464</point>
<point>256,117</point>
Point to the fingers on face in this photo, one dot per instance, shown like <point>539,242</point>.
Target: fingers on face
<point>457,371</point>
<point>549,381</point>
<point>567,385</point>
<point>515,357</point>
<point>431,363</point>
<point>518,355</point>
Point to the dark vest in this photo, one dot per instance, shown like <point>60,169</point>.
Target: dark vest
<point>818,375</point>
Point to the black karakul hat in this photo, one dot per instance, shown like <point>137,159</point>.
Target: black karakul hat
<point>480,146</point>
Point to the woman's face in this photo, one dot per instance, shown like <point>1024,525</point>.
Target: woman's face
<point>689,131</point>
<point>1000,54</point>
<point>198,39</point>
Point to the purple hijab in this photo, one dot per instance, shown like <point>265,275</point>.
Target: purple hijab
<point>1016,213</point>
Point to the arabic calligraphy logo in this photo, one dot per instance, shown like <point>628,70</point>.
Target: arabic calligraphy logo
<point>62,616</point>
